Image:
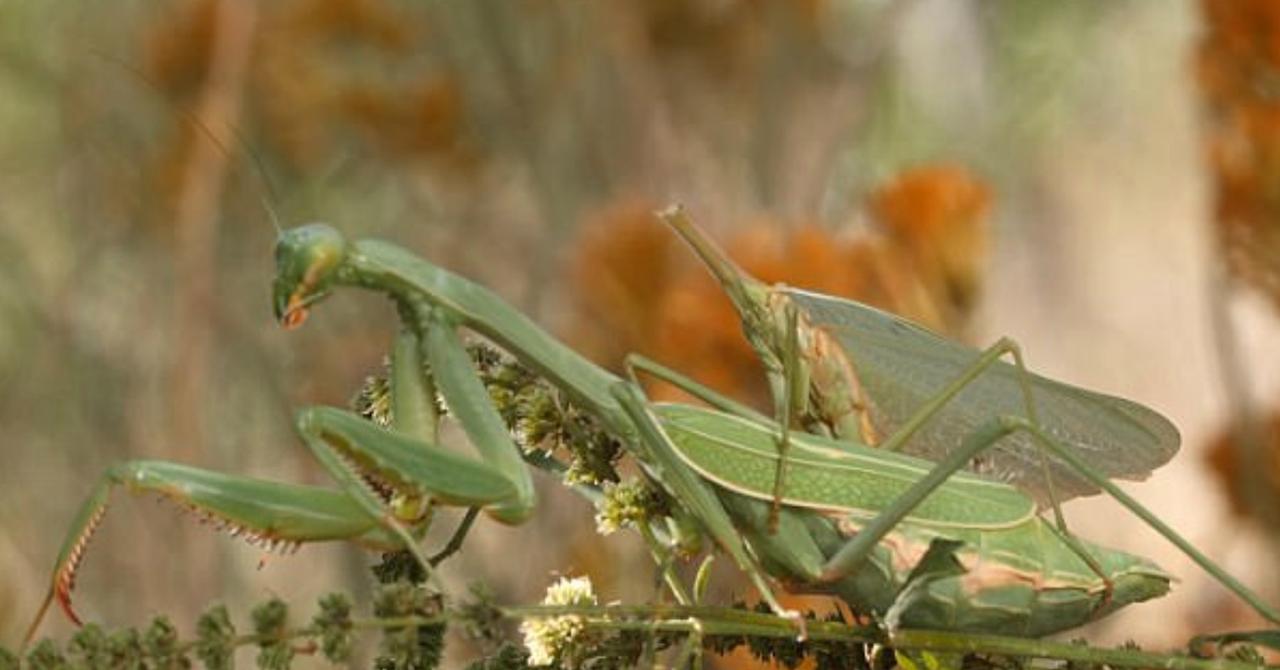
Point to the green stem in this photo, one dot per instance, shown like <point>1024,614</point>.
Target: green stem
<point>705,620</point>
<point>727,621</point>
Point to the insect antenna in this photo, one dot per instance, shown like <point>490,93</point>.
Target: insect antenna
<point>266,192</point>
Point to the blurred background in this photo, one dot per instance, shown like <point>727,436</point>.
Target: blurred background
<point>1100,181</point>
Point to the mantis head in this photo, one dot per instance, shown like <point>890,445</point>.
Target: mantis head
<point>307,260</point>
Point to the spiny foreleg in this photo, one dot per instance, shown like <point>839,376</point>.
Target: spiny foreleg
<point>272,515</point>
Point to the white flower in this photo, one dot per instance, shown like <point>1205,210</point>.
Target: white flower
<point>549,639</point>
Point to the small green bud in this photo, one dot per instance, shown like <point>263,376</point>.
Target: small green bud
<point>89,646</point>
<point>124,650</point>
<point>410,647</point>
<point>270,621</point>
<point>47,656</point>
<point>334,625</point>
<point>161,644</point>
<point>8,660</point>
<point>215,639</point>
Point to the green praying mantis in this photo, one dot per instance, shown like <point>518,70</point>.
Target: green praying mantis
<point>803,500</point>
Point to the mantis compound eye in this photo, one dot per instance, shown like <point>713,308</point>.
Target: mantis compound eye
<point>306,260</point>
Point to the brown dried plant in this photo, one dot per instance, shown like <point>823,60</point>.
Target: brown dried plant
<point>1239,74</point>
<point>1225,458</point>
<point>326,77</point>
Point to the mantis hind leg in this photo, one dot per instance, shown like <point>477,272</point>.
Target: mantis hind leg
<point>859,548</point>
<point>637,363</point>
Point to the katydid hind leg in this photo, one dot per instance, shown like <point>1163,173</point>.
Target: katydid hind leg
<point>1268,612</point>
<point>855,552</point>
<point>984,361</point>
<point>1009,346</point>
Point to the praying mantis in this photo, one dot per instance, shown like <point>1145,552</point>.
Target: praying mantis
<point>803,500</point>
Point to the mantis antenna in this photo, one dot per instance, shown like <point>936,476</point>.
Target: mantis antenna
<point>266,194</point>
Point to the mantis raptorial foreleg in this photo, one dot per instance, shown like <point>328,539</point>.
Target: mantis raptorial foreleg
<point>388,478</point>
<point>470,403</point>
<point>271,514</point>
<point>635,363</point>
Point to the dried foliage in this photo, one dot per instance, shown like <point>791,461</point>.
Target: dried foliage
<point>1253,490</point>
<point>1239,75</point>
<point>327,77</point>
<point>1239,72</point>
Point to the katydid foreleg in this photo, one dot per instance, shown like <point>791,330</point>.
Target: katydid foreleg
<point>793,402</point>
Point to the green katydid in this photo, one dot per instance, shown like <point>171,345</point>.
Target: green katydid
<point>869,371</point>
<point>865,538</point>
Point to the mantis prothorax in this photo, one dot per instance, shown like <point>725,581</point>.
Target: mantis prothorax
<point>851,520</point>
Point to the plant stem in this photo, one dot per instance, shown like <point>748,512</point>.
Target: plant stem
<point>722,621</point>
<point>711,621</point>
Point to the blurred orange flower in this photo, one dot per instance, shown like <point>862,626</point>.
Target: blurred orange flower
<point>1225,459</point>
<point>309,98</point>
<point>1239,59</point>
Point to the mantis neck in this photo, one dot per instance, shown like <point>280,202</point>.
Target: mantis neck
<point>420,288</point>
